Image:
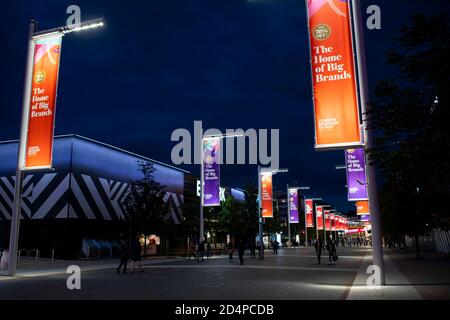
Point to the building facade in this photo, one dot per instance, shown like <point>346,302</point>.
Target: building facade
<point>81,197</point>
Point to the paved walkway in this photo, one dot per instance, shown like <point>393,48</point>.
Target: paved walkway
<point>292,274</point>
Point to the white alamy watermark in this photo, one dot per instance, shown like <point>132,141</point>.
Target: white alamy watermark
<point>374,280</point>
<point>246,147</point>
<point>374,20</point>
<point>74,20</point>
<point>74,280</point>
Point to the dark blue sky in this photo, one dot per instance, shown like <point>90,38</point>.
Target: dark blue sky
<point>159,65</point>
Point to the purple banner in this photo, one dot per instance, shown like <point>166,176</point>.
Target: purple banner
<point>211,172</point>
<point>293,206</point>
<point>356,175</point>
<point>365,218</point>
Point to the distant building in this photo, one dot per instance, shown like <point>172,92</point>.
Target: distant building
<point>82,197</point>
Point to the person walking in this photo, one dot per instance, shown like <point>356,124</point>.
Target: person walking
<point>192,251</point>
<point>208,250</point>
<point>318,245</point>
<point>252,247</point>
<point>136,248</point>
<point>230,248</point>
<point>241,251</point>
<point>331,247</point>
<point>261,248</point>
<point>201,250</point>
<point>124,256</point>
<point>276,245</point>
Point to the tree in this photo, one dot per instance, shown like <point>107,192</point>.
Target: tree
<point>240,219</point>
<point>410,118</point>
<point>145,209</point>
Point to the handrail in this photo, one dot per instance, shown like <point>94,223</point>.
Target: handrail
<point>37,256</point>
<point>19,254</point>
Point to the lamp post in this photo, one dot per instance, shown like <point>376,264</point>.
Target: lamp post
<point>371,169</point>
<point>33,36</point>
<point>260,220</point>
<point>203,138</point>
<point>323,219</point>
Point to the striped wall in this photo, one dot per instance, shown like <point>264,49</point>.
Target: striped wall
<point>73,196</point>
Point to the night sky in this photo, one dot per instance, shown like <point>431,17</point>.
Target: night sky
<point>159,65</point>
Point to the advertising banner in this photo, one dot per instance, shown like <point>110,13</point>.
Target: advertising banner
<point>41,118</point>
<point>333,221</point>
<point>327,220</point>
<point>211,172</point>
<point>319,217</point>
<point>356,175</point>
<point>266,194</point>
<point>293,206</point>
<point>309,213</point>
<point>362,208</point>
<point>365,218</point>
<point>336,106</point>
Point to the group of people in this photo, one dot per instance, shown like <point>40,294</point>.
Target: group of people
<point>200,250</point>
<point>132,250</point>
<point>241,245</point>
<point>330,246</point>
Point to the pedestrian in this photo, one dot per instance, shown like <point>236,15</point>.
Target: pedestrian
<point>241,251</point>
<point>318,245</point>
<point>252,247</point>
<point>230,248</point>
<point>124,256</point>
<point>275,244</point>
<point>201,251</point>
<point>261,248</point>
<point>208,250</point>
<point>331,247</point>
<point>192,250</point>
<point>136,248</point>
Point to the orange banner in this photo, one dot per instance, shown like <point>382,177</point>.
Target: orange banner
<point>266,194</point>
<point>41,117</point>
<point>319,217</point>
<point>309,213</point>
<point>327,220</point>
<point>362,208</point>
<point>336,105</point>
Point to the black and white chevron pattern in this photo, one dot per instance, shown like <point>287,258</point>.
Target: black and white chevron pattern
<point>74,196</point>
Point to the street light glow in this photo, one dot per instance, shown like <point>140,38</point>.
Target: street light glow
<point>274,170</point>
<point>92,24</point>
<point>223,135</point>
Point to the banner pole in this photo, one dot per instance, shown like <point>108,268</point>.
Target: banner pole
<point>306,224</point>
<point>261,241</point>
<point>15,218</point>
<point>317,223</point>
<point>202,226</point>
<point>288,215</point>
<point>371,169</point>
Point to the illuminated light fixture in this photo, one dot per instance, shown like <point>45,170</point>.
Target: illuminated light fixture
<point>87,25</point>
<point>223,135</point>
<point>92,24</point>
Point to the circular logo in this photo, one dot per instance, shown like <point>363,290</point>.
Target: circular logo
<point>321,32</point>
<point>39,77</point>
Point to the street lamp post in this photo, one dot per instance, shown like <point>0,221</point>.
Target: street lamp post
<point>32,36</point>
<point>203,137</point>
<point>371,169</point>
